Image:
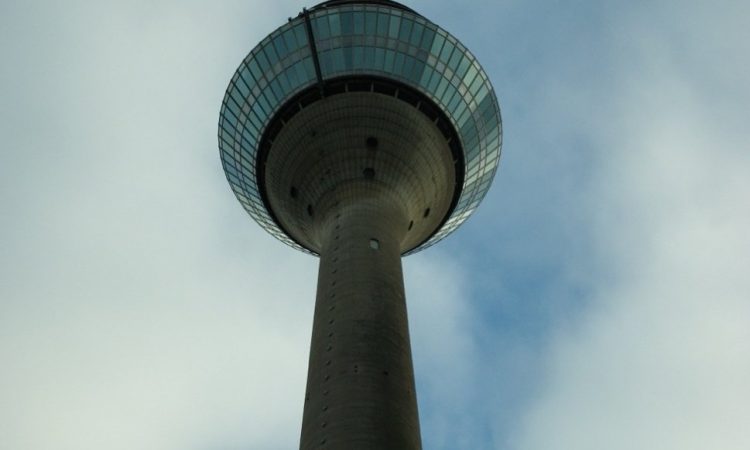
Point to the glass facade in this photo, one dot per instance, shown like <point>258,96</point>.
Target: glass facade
<point>368,40</point>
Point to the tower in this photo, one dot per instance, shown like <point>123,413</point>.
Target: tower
<point>360,132</point>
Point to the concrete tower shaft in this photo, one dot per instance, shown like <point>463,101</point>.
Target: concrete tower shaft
<point>360,385</point>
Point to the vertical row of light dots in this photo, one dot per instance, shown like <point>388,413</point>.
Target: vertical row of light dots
<point>374,245</point>
<point>331,321</point>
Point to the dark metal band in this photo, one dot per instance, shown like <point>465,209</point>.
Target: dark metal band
<point>313,49</point>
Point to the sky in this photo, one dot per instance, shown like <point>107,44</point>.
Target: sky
<point>599,298</point>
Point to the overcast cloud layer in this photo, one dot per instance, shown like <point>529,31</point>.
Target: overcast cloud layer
<point>599,298</point>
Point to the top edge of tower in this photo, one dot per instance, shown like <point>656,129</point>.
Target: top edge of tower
<point>333,3</point>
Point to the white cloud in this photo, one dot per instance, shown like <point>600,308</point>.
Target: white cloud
<point>660,360</point>
<point>443,324</point>
<point>138,309</point>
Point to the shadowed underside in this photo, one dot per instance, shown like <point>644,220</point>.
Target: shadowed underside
<point>357,146</point>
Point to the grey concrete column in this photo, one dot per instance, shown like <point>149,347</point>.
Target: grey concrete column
<point>360,387</point>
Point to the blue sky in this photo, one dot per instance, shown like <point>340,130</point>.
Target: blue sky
<point>598,298</point>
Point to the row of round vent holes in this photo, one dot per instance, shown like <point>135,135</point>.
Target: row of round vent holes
<point>411,223</point>
<point>371,142</point>
<point>368,173</point>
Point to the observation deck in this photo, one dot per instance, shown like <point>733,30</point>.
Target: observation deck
<point>432,142</point>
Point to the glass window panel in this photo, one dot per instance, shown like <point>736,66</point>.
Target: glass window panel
<point>309,68</point>
<point>461,113</point>
<point>348,57</point>
<point>447,50</point>
<point>325,59</point>
<point>236,95</point>
<point>247,77</point>
<point>416,35</point>
<point>447,97</point>
<point>486,179</point>
<point>394,26</point>
<point>339,59</point>
<point>369,57</point>
<point>492,163</point>
<point>472,177</point>
<point>486,107</point>
<point>463,66</point>
<point>434,81</point>
<point>379,58</point>
<point>347,23</point>
<point>276,89</point>
<point>416,68</point>
<point>370,20</point>
<point>225,152</point>
<point>424,81</point>
<point>468,128</point>
<point>230,168</point>
<point>359,22</point>
<point>398,63</point>
<point>469,77</point>
<point>358,57</point>
<point>237,190</point>
<point>242,87</point>
<point>248,136</point>
<point>494,134</point>
<point>455,59</point>
<point>453,103</point>
<point>280,46</point>
<point>246,165</point>
<point>437,45</point>
<point>405,31</point>
<point>300,75</point>
<point>226,144</point>
<point>323,30</point>
<point>290,40</point>
<point>476,85</point>
<point>389,57</point>
<point>408,66</point>
<point>285,85</point>
<point>334,20</point>
<point>428,36</point>
<point>291,74</point>
<point>470,141</point>
<point>265,106</point>
<point>229,127</point>
<point>383,20</point>
<point>271,55</point>
<point>233,107</point>
<point>441,89</point>
<point>251,72</point>
<point>253,120</point>
<point>489,115</point>
<point>300,35</point>
<point>258,66</point>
